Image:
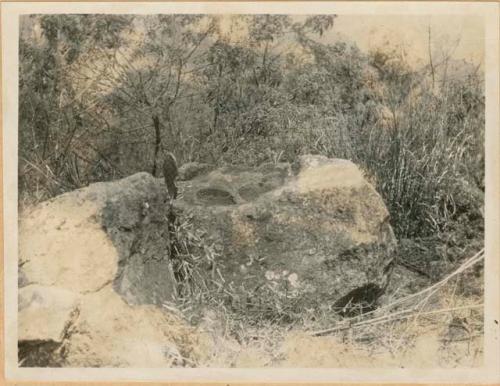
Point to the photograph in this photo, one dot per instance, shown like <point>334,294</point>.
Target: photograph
<point>270,189</point>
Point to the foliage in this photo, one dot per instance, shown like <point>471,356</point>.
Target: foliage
<point>52,114</point>
<point>102,95</point>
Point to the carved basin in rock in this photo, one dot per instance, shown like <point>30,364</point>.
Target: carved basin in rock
<point>95,264</point>
<point>323,225</point>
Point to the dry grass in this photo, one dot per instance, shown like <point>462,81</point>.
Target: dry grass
<point>441,325</point>
<point>415,304</point>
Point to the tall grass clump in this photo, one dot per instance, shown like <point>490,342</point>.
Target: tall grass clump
<point>96,110</point>
<point>429,162</point>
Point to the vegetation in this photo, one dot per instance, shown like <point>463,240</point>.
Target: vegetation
<point>101,95</point>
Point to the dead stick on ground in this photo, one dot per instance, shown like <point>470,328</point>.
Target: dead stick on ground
<point>354,322</point>
<point>433,288</point>
<point>392,317</point>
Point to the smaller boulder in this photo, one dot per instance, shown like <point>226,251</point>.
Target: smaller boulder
<point>52,308</point>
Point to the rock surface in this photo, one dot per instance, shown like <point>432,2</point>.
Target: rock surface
<point>95,264</point>
<point>51,307</point>
<point>108,332</point>
<point>108,233</point>
<point>323,231</point>
<point>87,259</point>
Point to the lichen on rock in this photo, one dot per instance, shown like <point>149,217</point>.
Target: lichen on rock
<point>304,222</point>
<point>96,265</point>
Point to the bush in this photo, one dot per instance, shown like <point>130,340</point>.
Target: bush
<point>269,96</point>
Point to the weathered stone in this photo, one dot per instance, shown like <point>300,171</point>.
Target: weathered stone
<point>83,256</point>
<point>112,232</point>
<point>95,263</point>
<point>326,225</point>
<point>61,244</point>
<point>44,313</point>
<point>111,333</point>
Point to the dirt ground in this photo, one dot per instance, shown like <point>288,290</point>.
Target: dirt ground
<point>298,349</point>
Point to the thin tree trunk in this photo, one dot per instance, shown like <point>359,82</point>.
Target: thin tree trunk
<point>156,124</point>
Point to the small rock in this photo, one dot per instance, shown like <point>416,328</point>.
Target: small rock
<point>44,313</point>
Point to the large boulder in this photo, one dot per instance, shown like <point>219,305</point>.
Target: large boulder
<point>96,267</point>
<point>90,262</point>
<point>319,229</point>
<point>108,233</point>
<point>57,327</point>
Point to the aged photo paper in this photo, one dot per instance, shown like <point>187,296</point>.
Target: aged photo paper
<point>251,192</point>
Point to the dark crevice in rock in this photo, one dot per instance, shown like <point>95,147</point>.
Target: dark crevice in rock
<point>359,301</point>
<point>47,353</point>
<point>137,225</point>
<point>102,286</point>
<point>180,275</point>
<point>39,354</point>
<point>365,298</point>
<point>22,279</point>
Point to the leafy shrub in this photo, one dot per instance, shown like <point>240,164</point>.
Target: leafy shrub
<point>277,91</point>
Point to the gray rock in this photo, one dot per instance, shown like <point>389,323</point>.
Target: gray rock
<point>108,233</point>
<point>135,219</point>
<point>96,262</point>
<point>99,258</point>
<point>268,220</point>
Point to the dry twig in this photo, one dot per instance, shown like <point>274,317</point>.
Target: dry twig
<point>411,311</point>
